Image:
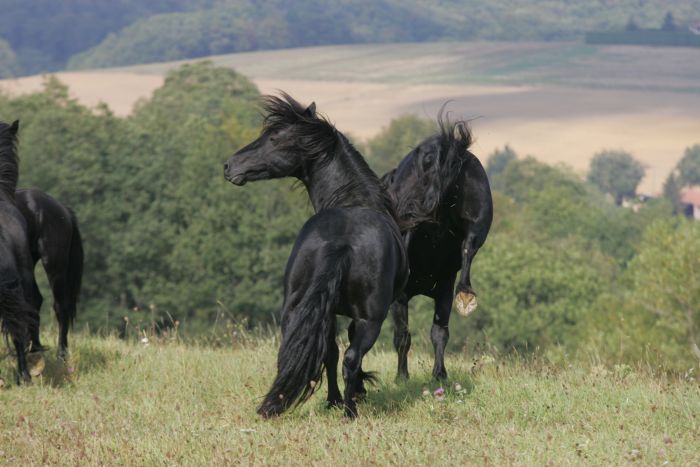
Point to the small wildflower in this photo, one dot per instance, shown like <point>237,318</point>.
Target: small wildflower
<point>144,341</point>
<point>426,392</point>
<point>70,370</point>
<point>439,392</point>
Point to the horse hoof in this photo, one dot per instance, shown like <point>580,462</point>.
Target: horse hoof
<point>37,348</point>
<point>465,303</point>
<point>334,403</point>
<point>36,364</point>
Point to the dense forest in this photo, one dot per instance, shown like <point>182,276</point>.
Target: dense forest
<point>564,270</point>
<point>43,35</point>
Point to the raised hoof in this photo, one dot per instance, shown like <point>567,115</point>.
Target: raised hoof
<point>465,303</point>
<point>36,364</point>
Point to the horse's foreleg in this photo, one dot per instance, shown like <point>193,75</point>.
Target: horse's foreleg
<point>402,336</point>
<point>465,300</point>
<point>365,335</point>
<point>440,332</point>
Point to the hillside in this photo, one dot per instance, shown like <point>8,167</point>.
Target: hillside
<point>120,403</point>
<point>560,102</point>
<point>242,26</point>
<point>47,35</point>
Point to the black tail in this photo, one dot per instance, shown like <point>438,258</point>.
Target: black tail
<point>75,271</point>
<point>302,354</point>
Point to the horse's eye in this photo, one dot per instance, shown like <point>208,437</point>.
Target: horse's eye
<point>428,159</point>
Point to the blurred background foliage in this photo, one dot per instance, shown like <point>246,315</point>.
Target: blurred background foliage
<point>565,270</point>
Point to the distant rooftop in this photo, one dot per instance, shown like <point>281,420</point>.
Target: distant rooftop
<point>691,196</point>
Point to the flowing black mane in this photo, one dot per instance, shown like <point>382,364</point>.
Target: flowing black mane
<point>9,162</point>
<point>317,138</point>
<point>452,143</point>
<point>456,135</point>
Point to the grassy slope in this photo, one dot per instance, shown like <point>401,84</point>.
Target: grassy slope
<point>508,63</point>
<point>174,403</point>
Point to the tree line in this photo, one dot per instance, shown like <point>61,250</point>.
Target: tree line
<point>563,270</point>
<point>45,35</point>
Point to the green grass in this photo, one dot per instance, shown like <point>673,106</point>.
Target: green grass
<point>170,403</point>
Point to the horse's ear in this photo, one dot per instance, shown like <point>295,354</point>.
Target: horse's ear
<point>311,110</point>
<point>14,127</point>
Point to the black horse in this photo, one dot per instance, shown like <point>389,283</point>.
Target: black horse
<point>443,201</point>
<point>348,259</point>
<point>54,237</point>
<point>16,271</point>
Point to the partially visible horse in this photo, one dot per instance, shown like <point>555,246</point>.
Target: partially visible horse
<point>16,271</point>
<point>349,258</point>
<point>443,201</point>
<point>54,237</point>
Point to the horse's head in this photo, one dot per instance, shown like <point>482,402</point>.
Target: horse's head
<point>423,177</point>
<point>280,150</point>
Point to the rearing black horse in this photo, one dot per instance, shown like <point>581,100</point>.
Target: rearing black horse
<point>54,237</point>
<point>443,200</point>
<point>16,271</point>
<point>348,259</point>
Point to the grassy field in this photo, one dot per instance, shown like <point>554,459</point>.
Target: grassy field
<point>169,403</point>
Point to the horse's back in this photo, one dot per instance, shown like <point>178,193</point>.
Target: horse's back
<point>377,263</point>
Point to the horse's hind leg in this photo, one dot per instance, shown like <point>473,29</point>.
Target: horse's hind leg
<point>402,337</point>
<point>334,397</point>
<point>365,335</point>
<point>440,332</point>
<point>64,308</point>
<point>23,375</point>
<point>465,300</point>
<point>360,390</point>
<point>36,301</point>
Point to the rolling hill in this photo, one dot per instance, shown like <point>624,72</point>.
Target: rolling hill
<point>560,102</point>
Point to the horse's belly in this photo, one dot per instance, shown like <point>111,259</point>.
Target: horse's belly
<point>431,258</point>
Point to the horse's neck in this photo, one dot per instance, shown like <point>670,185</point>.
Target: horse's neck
<point>337,182</point>
<point>8,173</point>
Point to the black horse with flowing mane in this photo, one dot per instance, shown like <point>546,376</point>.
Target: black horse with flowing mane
<point>443,201</point>
<point>349,258</point>
<point>54,237</point>
<point>16,271</point>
